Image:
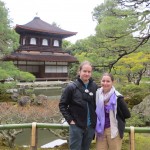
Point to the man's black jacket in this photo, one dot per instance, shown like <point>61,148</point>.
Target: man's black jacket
<point>74,100</point>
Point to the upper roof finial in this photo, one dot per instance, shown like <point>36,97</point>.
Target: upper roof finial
<point>36,14</point>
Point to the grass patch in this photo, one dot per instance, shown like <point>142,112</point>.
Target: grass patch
<point>141,141</point>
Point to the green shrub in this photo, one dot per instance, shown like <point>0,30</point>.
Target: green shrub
<point>136,120</point>
<point>25,76</point>
<point>73,71</point>
<point>134,94</point>
<point>4,96</point>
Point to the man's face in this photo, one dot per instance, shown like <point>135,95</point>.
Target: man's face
<point>85,73</point>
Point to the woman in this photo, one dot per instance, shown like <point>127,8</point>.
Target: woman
<point>111,111</point>
<point>77,105</point>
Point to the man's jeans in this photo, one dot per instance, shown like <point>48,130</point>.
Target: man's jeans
<point>80,139</point>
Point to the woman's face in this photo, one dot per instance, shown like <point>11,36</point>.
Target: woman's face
<point>106,83</point>
<point>85,73</point>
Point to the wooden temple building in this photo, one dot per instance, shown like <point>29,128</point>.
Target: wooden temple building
<point>40,51</point>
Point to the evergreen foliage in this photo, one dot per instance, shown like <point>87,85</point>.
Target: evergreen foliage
<point>9,39</point>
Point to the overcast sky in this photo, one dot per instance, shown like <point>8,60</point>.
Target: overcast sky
<point>71,15</point>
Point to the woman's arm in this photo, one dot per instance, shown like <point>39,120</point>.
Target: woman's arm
<point>122,108</point>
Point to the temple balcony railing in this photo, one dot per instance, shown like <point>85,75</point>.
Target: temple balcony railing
<point>35,126</point>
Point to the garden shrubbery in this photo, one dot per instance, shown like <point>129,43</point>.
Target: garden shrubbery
<point>134,94</point>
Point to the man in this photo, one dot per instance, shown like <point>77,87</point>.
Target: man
<point>77,105</point>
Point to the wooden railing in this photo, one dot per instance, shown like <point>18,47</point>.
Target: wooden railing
<point>34,126</point>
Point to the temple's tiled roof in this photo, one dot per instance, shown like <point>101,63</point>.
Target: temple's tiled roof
<point>37,56</point>
<point>38,25</point>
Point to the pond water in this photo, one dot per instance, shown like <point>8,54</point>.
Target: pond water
<point>44,136</point>
<point>52,93</point>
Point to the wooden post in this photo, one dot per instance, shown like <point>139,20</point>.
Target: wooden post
<point>33,137</point>
<point>132,138</point>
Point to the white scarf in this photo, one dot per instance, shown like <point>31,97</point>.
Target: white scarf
<point>100,99</point>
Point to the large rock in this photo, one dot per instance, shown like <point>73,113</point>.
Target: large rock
<point>143,108</point>
<point>40,99</point>
<point>15,96</point>
<point>24,100</point>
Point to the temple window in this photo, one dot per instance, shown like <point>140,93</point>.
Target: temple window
<point>24,41</point>
<point>33,41</point>
<point>56,69</point>
<point>56,43</point>
<point>45,42</point>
